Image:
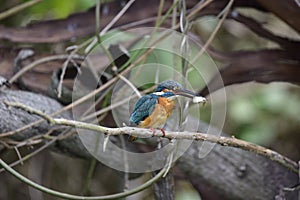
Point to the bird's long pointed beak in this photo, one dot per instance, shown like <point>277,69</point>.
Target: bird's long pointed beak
<point>186,93</point>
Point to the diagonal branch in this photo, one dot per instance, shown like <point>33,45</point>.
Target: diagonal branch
<point>287,10</point>
<point>256,27</point>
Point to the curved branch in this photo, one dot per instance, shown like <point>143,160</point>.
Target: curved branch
<point>75,197</point>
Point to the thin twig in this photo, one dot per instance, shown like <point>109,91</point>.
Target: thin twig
<point>106,139</point>
<point>130,85</point>
<point>169,163</point>
<point>86,115</point>
<point>126,167</point>
<point>89,176</point>
<point>108,26</point>
<point>40,61</point>
<point>97,16</point>
<point>168,13</point>
<point>18,8</point>
<point>160,9</point>
<point>213,34</point>
<point>197,9</point>
<point>224,141</point>
<point>174,15</point>
<point>31,154</point>
<point>19,155</point>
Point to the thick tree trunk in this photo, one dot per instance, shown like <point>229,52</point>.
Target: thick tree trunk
<point>237,174</point>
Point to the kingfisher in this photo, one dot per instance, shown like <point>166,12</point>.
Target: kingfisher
<point>153,110</point>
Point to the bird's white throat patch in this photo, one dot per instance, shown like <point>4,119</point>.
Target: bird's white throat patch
<point>158,93</point>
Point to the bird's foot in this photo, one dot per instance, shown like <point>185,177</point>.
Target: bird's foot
<point>153,131</point>
<point>162,131</point>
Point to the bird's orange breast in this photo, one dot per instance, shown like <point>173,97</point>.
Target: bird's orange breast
<point>159,116</point>
<point>168,105</point>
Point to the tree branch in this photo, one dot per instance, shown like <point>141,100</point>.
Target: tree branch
<point>141,132</point>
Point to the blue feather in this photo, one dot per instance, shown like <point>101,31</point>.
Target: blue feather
<point>143,108</point>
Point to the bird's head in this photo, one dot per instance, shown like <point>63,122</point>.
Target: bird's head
<point>171,89</point>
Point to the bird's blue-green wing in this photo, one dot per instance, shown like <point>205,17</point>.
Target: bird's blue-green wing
<point>143,108</point>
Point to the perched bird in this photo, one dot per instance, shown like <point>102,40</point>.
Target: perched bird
<point>153,110</point>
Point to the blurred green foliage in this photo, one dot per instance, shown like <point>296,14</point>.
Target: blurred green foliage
<point>45,10</point>
<point>60,9</point>
<point>261,115</point>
